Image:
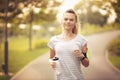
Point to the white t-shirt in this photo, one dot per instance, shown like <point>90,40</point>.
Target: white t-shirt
<point>69,64</point>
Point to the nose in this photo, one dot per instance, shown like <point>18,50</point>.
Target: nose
<point>68,21</point>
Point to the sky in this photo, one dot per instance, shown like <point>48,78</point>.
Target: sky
<point>66,4</point>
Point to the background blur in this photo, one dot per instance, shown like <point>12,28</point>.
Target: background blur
<point>30,24</point>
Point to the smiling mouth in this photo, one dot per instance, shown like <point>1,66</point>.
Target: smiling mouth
<point>68,25</point>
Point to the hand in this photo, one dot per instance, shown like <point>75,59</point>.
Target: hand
<point>52,63</point>
<point>78,53</point>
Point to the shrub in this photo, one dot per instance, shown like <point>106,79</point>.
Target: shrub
<point>114,46</point>
<point>41,43</point>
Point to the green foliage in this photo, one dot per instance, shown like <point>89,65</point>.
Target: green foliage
<point>47,13</point>
<point>96,18</point>
<point>115,60</point>
<point>117,25</point>
<point>114,46</point>
<point>88,29</point>
<point>1,34</point>
<point>5,77</point>
<point>91,16</point>
<point>116,6</point>
<point>41,43</point>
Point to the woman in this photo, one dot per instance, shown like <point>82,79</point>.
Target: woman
<point>70,48</point>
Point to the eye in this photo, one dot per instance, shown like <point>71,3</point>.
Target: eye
<point>71,19</point>
<point>65,19</point>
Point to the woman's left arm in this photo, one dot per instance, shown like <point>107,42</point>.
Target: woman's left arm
<point>85,60</point>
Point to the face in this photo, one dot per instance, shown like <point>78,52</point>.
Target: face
<point>68,21</point>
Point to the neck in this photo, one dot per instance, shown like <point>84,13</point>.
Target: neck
<point>67,33</point>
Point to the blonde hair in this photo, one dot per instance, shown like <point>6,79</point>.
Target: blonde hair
<point>75,29</point>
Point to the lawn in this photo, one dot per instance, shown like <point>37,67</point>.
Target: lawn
<point>115,60</point>
<point>19,54</point>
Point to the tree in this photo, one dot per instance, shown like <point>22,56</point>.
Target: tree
<point>94,12</point>
<point>47,11</point>
<point>116,6</point>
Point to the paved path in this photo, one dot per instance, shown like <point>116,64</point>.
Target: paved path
<point>99,68</point>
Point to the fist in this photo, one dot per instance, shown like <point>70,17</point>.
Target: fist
<point>52,63</point>
<point>78,53</point>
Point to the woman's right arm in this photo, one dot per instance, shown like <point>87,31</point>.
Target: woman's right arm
<point>52,55</point>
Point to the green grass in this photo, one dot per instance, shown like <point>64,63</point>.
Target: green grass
<point>19,54</point>
<point>18,60</point>
<point>115,60</point>
<point>5,77</point>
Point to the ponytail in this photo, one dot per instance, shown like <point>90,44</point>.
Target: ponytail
<point>75,30</point>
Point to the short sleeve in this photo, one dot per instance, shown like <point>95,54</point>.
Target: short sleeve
<point>51,43</point>
<point>84,42</point>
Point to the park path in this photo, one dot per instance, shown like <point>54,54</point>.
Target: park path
<point>99,69</point>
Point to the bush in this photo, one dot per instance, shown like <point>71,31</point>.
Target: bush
<point>114,46</point>
<point>41,43</point>
<point>88,29</point>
